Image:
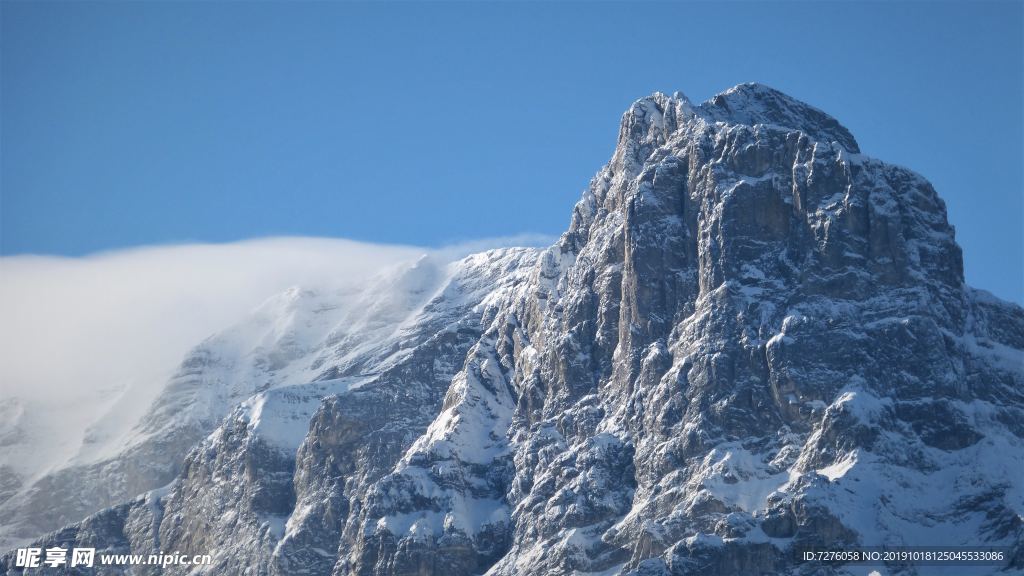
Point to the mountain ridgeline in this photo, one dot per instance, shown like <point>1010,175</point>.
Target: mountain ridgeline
<point>752,339</point>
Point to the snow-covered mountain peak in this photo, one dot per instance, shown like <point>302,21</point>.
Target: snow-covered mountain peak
<point>753,103</point>
<point>751,340</point>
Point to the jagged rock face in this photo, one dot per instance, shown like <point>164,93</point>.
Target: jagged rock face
<point>743,306</point>
<point>751,338</point>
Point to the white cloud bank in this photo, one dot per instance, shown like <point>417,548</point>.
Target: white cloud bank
<point>74,325</point>
<point>76,330</point>
<point>71,326</point>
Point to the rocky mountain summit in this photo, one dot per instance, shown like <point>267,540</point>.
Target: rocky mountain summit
<point>752,339</point>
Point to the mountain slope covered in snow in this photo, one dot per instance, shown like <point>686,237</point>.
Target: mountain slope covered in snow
<point>753,338</point>
<point>313,342</point>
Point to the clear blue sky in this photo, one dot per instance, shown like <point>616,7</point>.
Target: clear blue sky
<point>130,123</point>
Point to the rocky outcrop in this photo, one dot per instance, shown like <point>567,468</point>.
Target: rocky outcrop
<point>751,339</point>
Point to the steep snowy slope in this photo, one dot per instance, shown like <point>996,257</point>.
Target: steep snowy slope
<point>752,339</point>
<point>89,342</point>
<point>331,338</point>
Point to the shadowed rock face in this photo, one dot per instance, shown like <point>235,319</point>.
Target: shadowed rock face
<point>752,338</point>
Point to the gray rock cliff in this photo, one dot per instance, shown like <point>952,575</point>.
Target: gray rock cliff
<point>751,339</point>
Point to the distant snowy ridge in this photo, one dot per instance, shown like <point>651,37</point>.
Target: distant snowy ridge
<point>296,348</point>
